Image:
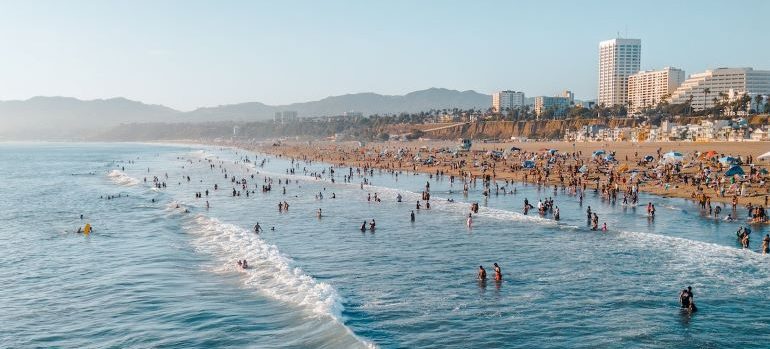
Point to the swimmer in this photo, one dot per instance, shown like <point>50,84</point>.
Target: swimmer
<point>363,226</point>
<point>498,273</point>
<point>604,226</point>
<point>766,244</point>
<point>469,221</point>
<point>319,213</point>
<point>482,273</point>
<point>257,228</point>
<point>372,225</point>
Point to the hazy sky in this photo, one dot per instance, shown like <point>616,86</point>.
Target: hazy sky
<point>187,54</point>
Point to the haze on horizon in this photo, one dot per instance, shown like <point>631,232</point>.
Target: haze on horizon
<point>189,54</point>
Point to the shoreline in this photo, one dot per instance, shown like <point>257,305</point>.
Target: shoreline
<point>349,154</point>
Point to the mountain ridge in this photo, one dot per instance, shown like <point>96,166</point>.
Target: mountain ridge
<point>59,116</point>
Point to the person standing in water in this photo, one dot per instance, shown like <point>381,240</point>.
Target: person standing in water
<point>498,273</point>
<point>766,244</point>
<point>469,221</point>
<point>482,273</point>
<point>412,216</point>
<point>363,226</point>
<point>257,228</point>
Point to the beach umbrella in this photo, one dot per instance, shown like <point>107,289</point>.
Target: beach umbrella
<point>599,152</point>
<point>519,149</point>
<point>623,167</point>
<point>735,170</point>
<point>727,160</point>
<point>583,169</point>
<point>763,171</point>
<point>672,157</point>
<point>528,164</point>
<point>709,154</point>
<point>552,151</point>
<point>764,156</point>
<point>673,154</point>
<point>649,158</point>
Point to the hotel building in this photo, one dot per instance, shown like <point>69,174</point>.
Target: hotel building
<point>647,88</point>
<point>507,99</point>
<point>731,83</point>
<point>618,59</point>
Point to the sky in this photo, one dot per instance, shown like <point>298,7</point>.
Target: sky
<point>189,54</point>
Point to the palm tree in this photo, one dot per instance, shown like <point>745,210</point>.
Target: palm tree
<point>706,92</point>
<point>714,100</point>
<point>758,101</point>
<point>723,100</point>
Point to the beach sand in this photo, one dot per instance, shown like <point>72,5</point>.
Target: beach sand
<point>356,155</point>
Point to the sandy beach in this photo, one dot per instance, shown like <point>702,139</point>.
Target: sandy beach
<point>478,162</point>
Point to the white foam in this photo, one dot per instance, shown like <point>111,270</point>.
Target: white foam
<point>437,203</point>
<point>121,178</point>
<point>270,272</point>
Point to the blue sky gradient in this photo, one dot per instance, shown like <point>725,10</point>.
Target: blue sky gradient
<point>188,54</point>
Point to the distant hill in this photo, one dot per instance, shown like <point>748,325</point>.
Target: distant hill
<point>65,117</point>
<point>366,103</point>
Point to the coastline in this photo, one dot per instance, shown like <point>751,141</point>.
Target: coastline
<point>627,154</point>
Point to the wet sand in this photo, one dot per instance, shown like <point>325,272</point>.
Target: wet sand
<point>627,154</point>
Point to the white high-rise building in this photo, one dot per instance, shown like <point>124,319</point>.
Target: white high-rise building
<point>503,100</point>
<point>722,83</point>
<point>618,59</point>
<point>647,88</point>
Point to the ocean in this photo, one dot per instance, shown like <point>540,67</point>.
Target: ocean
<point>159,268</point>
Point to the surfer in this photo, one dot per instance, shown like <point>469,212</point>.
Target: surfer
<point>482,273</point>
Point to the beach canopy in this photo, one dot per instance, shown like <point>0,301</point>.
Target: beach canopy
<point>735,170</point>
<point>672,157</point>
<point>728,160</point>
<point>709,154</point>
<point>599,152</point>
<point>764,156</point>
<point>528,164</point>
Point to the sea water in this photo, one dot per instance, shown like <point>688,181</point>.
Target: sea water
<point>159,268</point>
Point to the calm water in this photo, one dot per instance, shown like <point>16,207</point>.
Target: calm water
<point>151,275</point>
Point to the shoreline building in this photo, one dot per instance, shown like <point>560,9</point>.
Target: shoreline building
<point>559,104</point>
<point>721,84</point>
<point>285,117</point>
<point>506,100</point>
<point>647,88</point>
<point>618,59</point>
